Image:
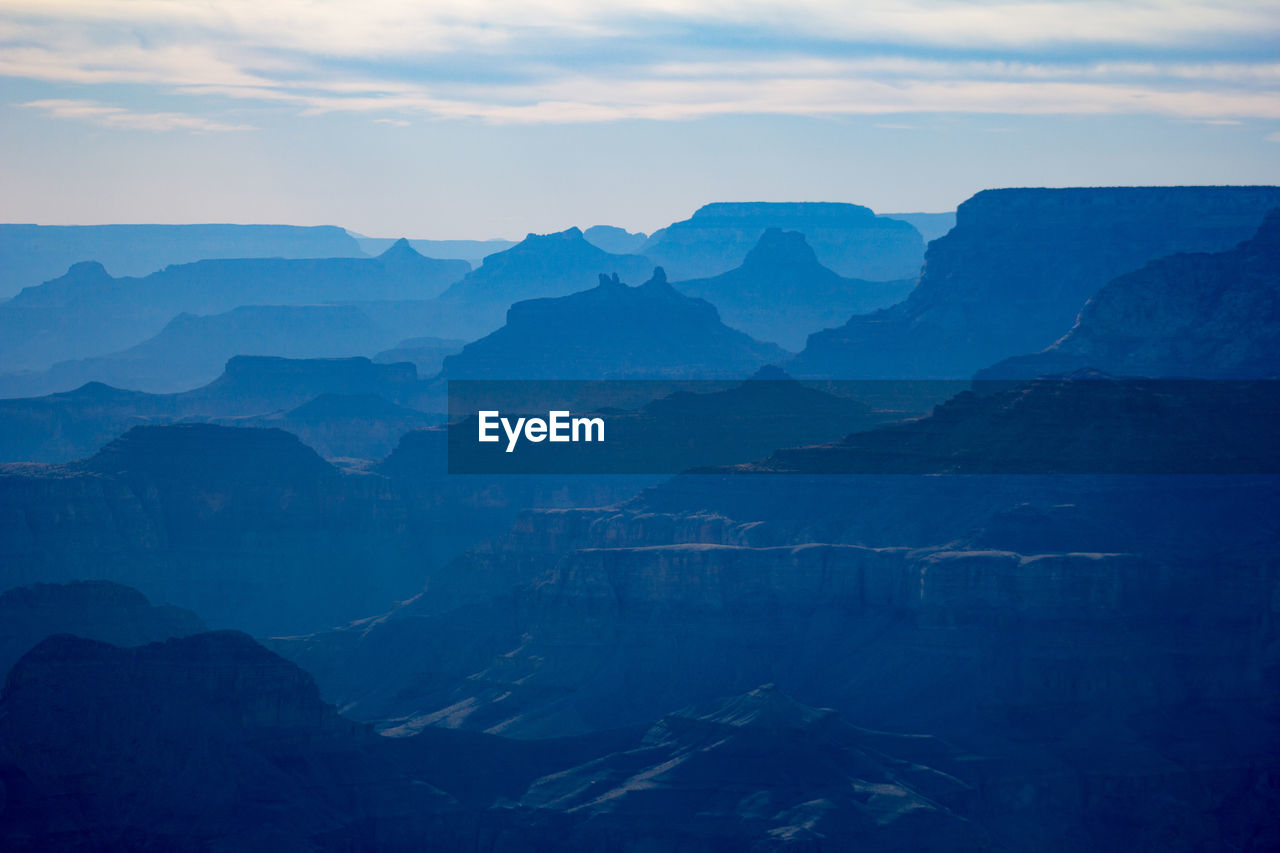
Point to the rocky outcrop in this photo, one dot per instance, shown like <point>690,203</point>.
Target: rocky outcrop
<point>782,293</point>
<point>847,238</point>
<point>88,313</point>
<point>1014,273</point>
<point>96,610</point>
<point>613,331</point>
<point>1207,316</point>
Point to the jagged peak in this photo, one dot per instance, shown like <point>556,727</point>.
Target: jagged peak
<point>658,283</point>
<point>400,250</point>
<point>613,281</point>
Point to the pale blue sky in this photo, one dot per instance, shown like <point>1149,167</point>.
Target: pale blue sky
<point>485,119</point>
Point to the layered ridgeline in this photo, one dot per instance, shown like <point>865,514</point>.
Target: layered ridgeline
<point>472,251</point>
<point>619,241</point>
<point>1014,273</point>
<point>1207,316</point>
<point>1102,677</point>
<point>847,238</point>
<point>191,350</point>
<point>71,425</point>
<point>427,354</point>
<point>541,265</point>
<point>252,529</point>
<point>211,740</point>
<point>97,610</point>
<point>30,254</point>
<point>613,331</point>
<point>782,293</point>
<point>88,313</point>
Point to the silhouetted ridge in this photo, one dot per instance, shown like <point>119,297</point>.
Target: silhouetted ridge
<point>613,330</point>
<point>847,238</point>
<point>97,610</point>
<point>180,451</point>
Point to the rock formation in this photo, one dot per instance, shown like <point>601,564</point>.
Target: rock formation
<point>613,331</point>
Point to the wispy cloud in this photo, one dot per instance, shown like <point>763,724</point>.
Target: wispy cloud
<point>585,61</point>
<point>113,116</point>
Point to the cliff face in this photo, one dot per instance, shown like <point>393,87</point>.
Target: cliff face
<point>613,331</point>
<point>1209,316</point>
<point>782,293</point>
<point>1014,273</point>
<point>847,238</point>
<point>1059,628</point>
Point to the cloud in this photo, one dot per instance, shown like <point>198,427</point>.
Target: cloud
<point>113,116</point>
<point>562,61</point>
<point>1274,137</point>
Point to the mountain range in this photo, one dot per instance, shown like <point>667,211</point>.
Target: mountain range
<point>31,254</point>
<point>88,313</point>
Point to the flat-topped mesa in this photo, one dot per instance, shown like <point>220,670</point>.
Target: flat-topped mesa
<point>1209,316</point>
<point>1014,273</point>
<point>848,238</point>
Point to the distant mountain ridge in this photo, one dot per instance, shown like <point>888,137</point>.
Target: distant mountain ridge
<point>1014,273</point>
<point>30,254</point>
<point>87,312</point>
<point>847,238</point>
<point>1210,316</point>
<point>191,350</point>
<point>781,293</point>
<point>540,266</point>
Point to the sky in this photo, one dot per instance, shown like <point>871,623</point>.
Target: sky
<point>456,119</point>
